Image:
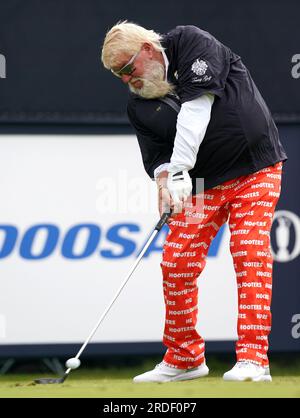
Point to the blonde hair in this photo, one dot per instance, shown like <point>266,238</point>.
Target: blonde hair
<point>126,37</point>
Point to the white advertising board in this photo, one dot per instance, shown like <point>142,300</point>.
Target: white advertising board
<point>75,212</point>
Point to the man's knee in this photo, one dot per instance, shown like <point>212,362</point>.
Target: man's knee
<point>188,270</point>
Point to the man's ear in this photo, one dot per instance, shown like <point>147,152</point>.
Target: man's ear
<point>148,47</point>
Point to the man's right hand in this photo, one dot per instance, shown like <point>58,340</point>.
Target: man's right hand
<point>165,203</point>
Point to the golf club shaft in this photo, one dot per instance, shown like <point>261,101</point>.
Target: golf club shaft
<point>158,227</point>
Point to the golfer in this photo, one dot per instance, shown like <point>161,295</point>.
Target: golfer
<point>198,115</point>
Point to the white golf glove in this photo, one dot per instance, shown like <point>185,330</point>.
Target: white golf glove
<point>180,186</point>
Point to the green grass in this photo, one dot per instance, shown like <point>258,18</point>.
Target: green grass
<point>117,383</point>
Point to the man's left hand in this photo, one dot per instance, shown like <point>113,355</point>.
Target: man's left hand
<point>180,186</point>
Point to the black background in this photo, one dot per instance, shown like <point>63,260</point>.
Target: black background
<point>286,277</point>
<point>52,49</point>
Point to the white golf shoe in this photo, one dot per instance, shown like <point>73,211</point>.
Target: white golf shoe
<point>163,373</point>
<point>247,371</point>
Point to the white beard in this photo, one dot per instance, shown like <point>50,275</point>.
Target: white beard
<point>154,84</point>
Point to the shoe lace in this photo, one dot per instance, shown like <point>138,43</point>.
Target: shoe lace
<point>244,364</point>
<point>159,365</point>
<point>163,366</point>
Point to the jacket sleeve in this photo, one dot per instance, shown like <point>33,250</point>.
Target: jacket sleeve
<point>203,64</point>
<point>155,126</point>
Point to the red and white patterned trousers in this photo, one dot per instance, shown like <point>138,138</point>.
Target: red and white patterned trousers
<point>248,203</point>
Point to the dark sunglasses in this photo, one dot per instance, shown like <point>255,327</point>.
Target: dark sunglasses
<point>127,69</point>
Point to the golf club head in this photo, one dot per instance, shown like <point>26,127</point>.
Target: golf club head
<point>50,381</point>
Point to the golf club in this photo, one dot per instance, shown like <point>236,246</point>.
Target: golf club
<point>158,227</point>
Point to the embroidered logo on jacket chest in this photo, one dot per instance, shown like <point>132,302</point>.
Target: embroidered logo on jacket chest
<point>199,67</point>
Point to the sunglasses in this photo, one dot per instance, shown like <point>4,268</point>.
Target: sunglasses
<point>127,69</point>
